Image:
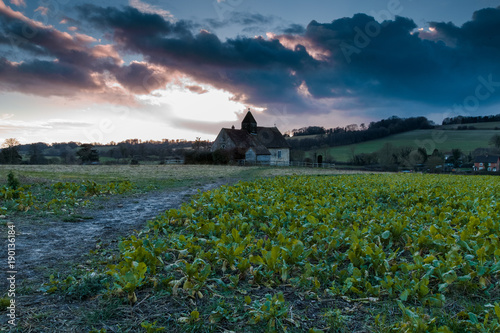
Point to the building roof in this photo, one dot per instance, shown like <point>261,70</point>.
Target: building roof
<point>271,137</point>
<point>260,150</point>
<point>241,138</point>
<point>486,159</point>
<point>266,137</point>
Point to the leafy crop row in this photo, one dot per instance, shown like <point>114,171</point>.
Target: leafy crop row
<point>56,197</point>
<point>417,240</point>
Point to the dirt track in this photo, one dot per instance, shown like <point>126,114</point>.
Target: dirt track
<point>48,246</point>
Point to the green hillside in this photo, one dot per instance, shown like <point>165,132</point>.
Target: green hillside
<point>444,140</point>
<point>480,126</point>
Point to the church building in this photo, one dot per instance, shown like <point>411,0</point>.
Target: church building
<point>261,145</point>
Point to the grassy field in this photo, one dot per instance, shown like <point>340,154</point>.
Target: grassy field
<point>64,190</point>
<point>161,176</point>
<point>445,141</point>
<point>401,253</point>
<point>479,126</point>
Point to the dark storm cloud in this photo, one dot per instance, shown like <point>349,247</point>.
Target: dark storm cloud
<point>355,57</point>
<point>8,39</point>
<point>242,19</point>
<point>141,78</point>
<point>479,34</point>
<point>391,60</point>
<point>39,77</point>
<point>71,65</point>
<point>72,62</point>
<point>294,29</point>
<point>131,21</point>
<point>345,63</point>
<point>255,69</point>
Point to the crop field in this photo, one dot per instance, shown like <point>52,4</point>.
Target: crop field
<point>345,253</point>
<point>63,190</point>
<point>158,175</point>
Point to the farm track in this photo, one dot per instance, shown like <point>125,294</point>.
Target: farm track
<point>45,246</point>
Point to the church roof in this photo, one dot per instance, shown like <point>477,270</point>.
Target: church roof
<point>261,150</point>
<point>266,137</point>
<point>271,137</point>
<point>241,138</point>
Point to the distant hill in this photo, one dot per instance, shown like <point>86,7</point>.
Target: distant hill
<point>482,126</point>
<point>352,134</point>
<point>447,139</point>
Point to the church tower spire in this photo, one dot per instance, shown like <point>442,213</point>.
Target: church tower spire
<point>249,124</point>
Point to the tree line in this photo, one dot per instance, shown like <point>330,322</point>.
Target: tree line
<point>351,134</point>
<point>12,151</point>
<point>471,120</point>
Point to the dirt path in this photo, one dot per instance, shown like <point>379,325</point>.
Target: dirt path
<point>51,247</point>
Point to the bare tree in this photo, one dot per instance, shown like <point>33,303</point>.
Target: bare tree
<point>9,152</point>
<point>495,140</point>
<point>11,142</point>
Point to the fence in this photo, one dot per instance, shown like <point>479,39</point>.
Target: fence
<point>287,164</point>
<point>174,162</point>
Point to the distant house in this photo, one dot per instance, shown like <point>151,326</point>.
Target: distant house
<point>487,163</point>
<point>260,145</point>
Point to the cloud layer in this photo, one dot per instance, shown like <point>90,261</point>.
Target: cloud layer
<point>348,63</point>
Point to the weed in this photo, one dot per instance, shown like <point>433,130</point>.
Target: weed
<point>76,218</point>
<point>271,309</point>
<point>12,181</point>
<point>4,303</point>
<point>106,310</point>
<point>128,276</point>
<point>337,323</point>
<point>151,327</point>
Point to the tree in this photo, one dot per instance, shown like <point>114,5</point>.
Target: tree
<point>11,142</point>
<point>387,154</point>
<point>67,156</point>
<point>415,158</point>
<point>422,151</point>
<point>435,163</point>
<point>197,144</point>
<point>495,140</point>
<point>404,156</point>
<point>10,155</point>
<point>36,156</point>
<point>456,156</point>
<point>88,154</point>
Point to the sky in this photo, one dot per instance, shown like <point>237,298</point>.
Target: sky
<point>102,71</point>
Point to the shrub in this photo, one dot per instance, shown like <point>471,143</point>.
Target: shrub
<point>12,181</point>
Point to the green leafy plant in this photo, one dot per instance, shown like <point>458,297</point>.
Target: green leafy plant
<point>336,321</point>
<point>4,303</point>
<point>151,327</point>
<point>13,181</point>
<point>272,310</point>
<point>193,317</point>
<point>128,276</point>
